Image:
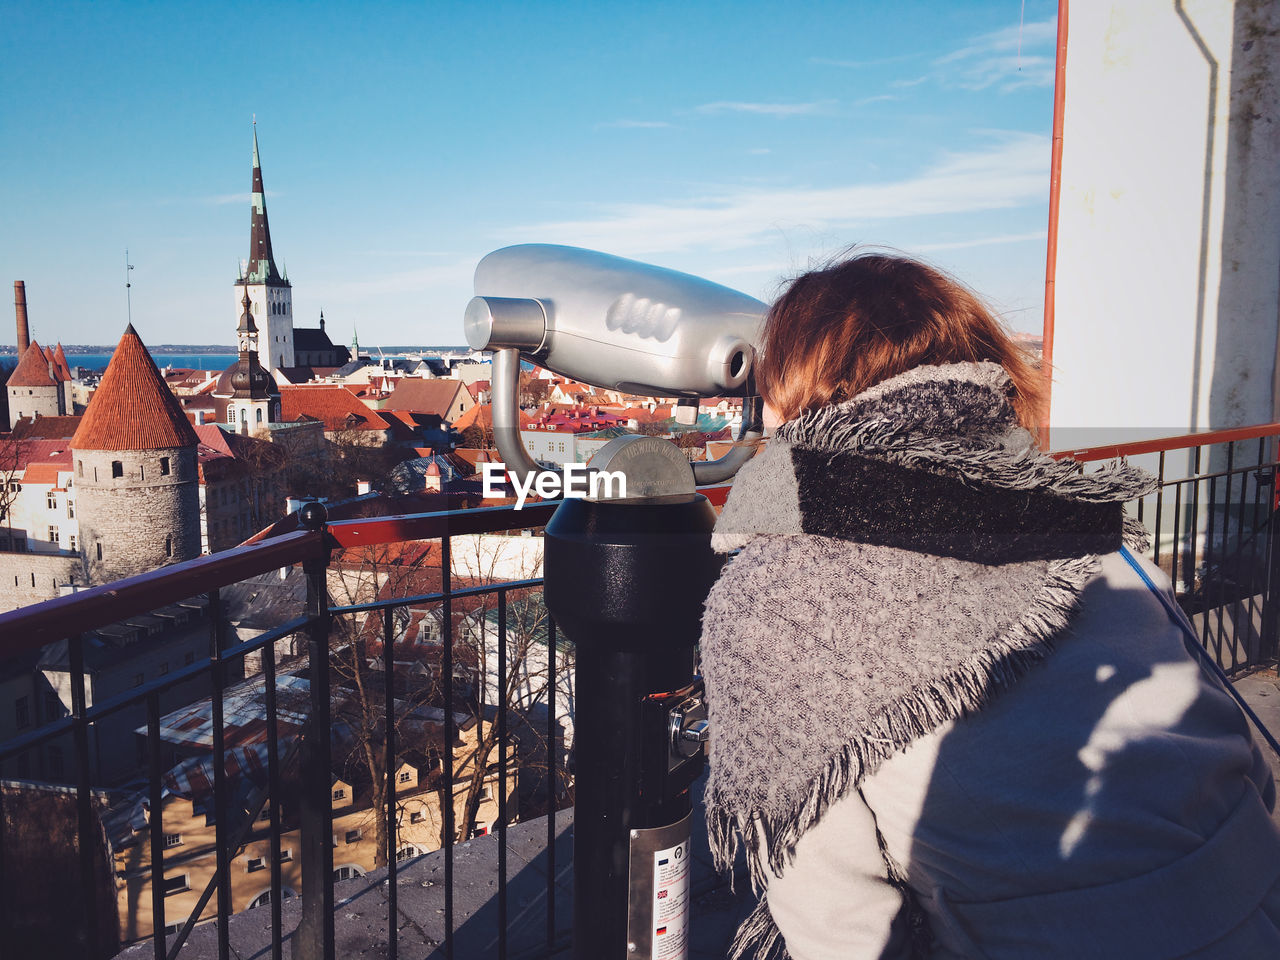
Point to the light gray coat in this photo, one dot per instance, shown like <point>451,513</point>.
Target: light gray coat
<point>1112,804</point>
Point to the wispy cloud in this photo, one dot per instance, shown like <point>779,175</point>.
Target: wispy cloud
<point>633,124</point>
<point>767,109</point>
<point>1003,57</point>
<point>980,242</point>
<point>878,98</point>
<point>1008,173</point>
<point>858,64</point>
<point>909,83</point>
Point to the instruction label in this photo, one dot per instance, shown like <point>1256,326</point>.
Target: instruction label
<point>671,903</point>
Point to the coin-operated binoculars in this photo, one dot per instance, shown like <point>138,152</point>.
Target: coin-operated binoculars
<point>628,565</point>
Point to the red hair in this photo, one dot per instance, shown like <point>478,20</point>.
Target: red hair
<point>837,331</point>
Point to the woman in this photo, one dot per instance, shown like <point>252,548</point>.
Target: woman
<point>949,718</point>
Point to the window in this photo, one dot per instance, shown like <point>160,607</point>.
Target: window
<point>405,776</point>
<point>348,871</point>
<point>231,414</point>
<point>176,884</point>
<point>99,546</point>
<point>137,679</point>
<point>117,469</point>
<point>22,712</point>
<point>486,793</point>
<point>164,466</point>
<point>51,499</point>
<point>255,864</point>
<point>54,757</point>
<point>259,414</point>
<point>353,836</point>
<point>53,534</point>
<point>416,817</point>
<point>72,543</point>
<point>168,546</point>
<point>71,510</point>
<point>286,856</point>
<point>52,706</point>
<point>339,793</point>
<point>481,830</point>
<point>79,468</point>
<point>407,853</point>
<point>164,668</point>
<point>173,840</point>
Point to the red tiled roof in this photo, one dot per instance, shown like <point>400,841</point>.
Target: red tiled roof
<point>336,406</point>
<point>132,409</point>
<point>60,360</point>
<point>482,413</point>
<point>424,396</point>
<point>33,369</point>
<point>45,472</point>
<point>46,428</point>
<point>21,455</point>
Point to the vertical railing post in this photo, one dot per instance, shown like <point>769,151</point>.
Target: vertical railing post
<point>314,939</point>
<point>1271,598</point>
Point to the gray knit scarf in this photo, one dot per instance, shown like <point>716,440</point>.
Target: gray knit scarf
<point>903,556</point>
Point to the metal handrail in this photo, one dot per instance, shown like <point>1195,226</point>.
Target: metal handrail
<point>1184,441</point>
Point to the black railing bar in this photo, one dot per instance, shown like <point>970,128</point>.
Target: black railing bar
<point>438,597</point>
<point>1255,637</point>
<point>389,775</point>
<point>446,674</point>
<point>1159,507</point>
<point>193,671</point>
<point>503,700</point>
<point>552,730</point>
<point>217,678</point>
<point>84,808</point>
<point>273,797</point>
<point>1218,475</point>
<point>1177,535</point>
<point>1206,587</point>
<point>38,624</point>
<point>253,810</point>
<point>156,800</point>
<point>1235,573</point>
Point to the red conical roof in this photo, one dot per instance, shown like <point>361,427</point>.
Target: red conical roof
<point>60,358</point>
<point>133,409</point>
<point>32,369</point>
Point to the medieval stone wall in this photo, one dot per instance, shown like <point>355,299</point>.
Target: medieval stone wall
<point>33,577</point>
<point>138,509</point>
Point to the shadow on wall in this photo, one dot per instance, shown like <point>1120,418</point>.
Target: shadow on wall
<point>1247,296</point>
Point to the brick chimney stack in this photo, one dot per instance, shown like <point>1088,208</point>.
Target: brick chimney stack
<point>20,307</point>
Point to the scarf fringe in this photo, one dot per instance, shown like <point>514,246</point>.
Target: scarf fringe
<point>971,687</point>
<point>1021,467</point>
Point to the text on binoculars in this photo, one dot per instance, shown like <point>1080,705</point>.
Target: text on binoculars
<point>576,482</point>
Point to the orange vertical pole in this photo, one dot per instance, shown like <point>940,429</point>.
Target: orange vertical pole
<point>1055,190</point>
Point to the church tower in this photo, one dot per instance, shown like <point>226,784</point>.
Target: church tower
<point>254,397</point>
<point>270,293</point>
<point>134,454</point>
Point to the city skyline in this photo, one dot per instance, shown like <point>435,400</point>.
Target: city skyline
<point>740,143</point>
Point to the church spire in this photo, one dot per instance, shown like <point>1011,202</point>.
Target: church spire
<point>262,265</point>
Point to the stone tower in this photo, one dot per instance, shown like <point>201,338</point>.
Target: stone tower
<point>35,388</point>
<point>136,477</point>
<point>270,293</point>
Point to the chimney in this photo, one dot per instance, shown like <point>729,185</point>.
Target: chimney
<point>20,307</point>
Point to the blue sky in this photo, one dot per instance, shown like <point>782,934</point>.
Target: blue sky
<point>401,142</point>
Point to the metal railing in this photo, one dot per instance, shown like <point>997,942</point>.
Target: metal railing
<point>30,629</point>
<point>1213,528</point>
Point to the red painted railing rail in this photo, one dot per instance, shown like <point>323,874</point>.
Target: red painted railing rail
<point>1163,444</point>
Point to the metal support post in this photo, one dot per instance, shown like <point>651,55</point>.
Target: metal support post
<point>626,581</point>
<point>314,939</point>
